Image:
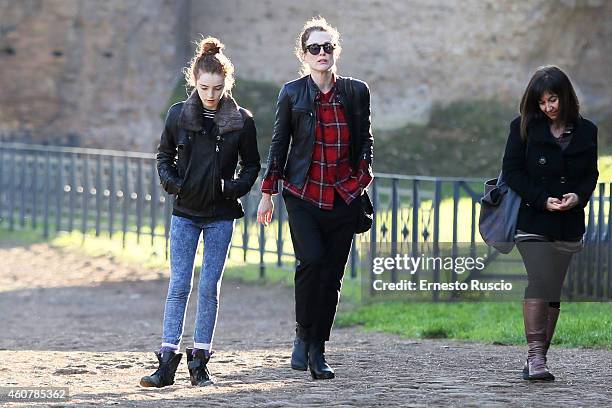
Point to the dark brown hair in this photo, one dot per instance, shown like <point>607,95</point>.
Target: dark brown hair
<point>209,58</point>
<point>549,79</point>
<point>315,24</point>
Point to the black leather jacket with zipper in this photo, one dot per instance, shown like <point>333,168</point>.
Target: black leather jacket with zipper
<point>191,162</point>
<point>294,128</point>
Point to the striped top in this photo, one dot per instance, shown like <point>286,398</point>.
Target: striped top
<point>209,113</point>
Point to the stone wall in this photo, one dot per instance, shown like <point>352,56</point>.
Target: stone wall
<point>419,52</point>
<point>94,73</point>
<point>99,73</point>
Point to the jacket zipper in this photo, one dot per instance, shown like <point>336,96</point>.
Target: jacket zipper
<point>215,172</point>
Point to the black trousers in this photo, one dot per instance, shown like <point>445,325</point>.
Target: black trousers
<point>321,242</point>
<point>546,264</point>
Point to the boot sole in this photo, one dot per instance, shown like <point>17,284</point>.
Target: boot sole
<point>149,384</point>
<point>326,376</point>
<point>540,377</point>
<point>203,383</point>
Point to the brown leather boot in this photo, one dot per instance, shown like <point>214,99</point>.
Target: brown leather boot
<point>535,317</point>
<point>551,323</point>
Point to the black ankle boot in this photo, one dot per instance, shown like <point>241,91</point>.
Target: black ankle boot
<point>168,363</point>
<point>299,355</point>
<point>198,371</point>
<point>319,369</point>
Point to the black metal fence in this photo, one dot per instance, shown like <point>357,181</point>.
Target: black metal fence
<point>115,193</point>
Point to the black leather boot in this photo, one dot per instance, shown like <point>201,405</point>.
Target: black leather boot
<point>168,363</point>
<point>299,355</point>
<point>319,369</point>
<point>198,371</point>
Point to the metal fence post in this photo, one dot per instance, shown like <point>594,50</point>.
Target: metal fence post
<point>12,191</point>
<point>415,224</point>
<point>373,231</point>
<point>262,250</point>
<point>139,198</point>
<point>436,235</point>
<point>279,238</point>
<point>394,209</point>
<point>73,191</point>
<point>126,200</point>
<point>454,251</point>
<point>99,194</point>
<point>112,198</point>
<point>34,189</point>
<point>154,200</point>
<point>22,184</point>
<point>47,192</point>
<point>85,183</point>
<point>245,226</point>
<point>59,192</point>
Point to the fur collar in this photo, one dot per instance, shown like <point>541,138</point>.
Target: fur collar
<point>228,117</point>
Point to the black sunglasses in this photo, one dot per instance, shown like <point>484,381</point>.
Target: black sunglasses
<point>314,49</point>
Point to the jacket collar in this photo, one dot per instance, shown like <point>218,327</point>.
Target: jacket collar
<point>539,132</point>
<point>338,81</point>
<point>227,118</point>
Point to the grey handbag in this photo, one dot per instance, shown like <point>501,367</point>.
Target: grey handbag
<point>498,215</point>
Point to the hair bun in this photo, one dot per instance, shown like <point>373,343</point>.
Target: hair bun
<point>211,46</point>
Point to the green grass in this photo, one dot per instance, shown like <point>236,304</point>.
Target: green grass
<point>24,237</point>
<point>604,165</point>
<point>580,324</point>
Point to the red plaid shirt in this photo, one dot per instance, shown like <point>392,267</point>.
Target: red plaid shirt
<point>330,168</point>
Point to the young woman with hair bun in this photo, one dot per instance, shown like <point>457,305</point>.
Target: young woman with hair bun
<point>202,142</point>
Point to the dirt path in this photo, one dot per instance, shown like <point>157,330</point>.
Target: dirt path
<point>90,324</point>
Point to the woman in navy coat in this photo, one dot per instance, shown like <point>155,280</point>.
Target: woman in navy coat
<point>551,163</point>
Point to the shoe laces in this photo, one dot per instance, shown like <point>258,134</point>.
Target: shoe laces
<point>200,368</point>
<point>164,367</point>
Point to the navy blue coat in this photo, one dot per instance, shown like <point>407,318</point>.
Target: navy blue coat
<point>539,169</point>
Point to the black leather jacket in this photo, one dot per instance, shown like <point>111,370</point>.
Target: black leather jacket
<point>294,128</point>
<point>192,162</point>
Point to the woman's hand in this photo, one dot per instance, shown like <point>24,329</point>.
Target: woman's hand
<point>570,200</point>
<point>554,204</point>
<point>265,209</point>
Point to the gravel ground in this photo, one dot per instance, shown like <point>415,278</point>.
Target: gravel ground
<point>90,324</point>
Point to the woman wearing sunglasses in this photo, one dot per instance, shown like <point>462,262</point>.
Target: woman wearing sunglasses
<point>196,160</point>
<point>322,151</point>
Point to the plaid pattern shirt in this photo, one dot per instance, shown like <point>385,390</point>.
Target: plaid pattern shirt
<point>330,168</point>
